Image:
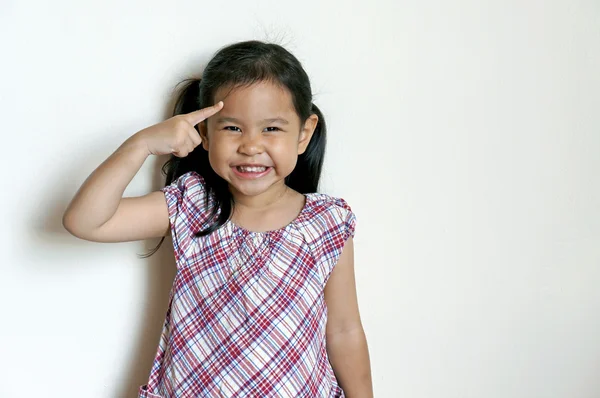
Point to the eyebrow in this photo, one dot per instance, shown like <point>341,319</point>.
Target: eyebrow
<point>234,120</point>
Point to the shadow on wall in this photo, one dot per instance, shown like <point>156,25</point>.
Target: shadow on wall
<point>161,272</point>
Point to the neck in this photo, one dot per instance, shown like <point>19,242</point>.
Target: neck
<point>262,201</point>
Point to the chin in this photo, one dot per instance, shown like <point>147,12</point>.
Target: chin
<point>250,189</point>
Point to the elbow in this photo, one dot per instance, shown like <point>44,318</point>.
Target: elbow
<point>70,225</point>
<point>80,230</point>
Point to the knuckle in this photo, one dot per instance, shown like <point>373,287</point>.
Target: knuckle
<point>179,142</point>
<point>181,123</point>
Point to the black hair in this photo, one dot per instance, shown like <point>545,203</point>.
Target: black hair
<point>239,65</point>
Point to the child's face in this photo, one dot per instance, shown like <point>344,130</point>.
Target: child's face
<point>252,153</point>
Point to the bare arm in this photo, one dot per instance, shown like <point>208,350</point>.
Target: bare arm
<point>98,212</point>
<point>346,342</point>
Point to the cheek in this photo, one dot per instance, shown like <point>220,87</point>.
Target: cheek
<point>217,143</point>
<point>286,144</point>
<point>285,154</point>
<point>218,154</point>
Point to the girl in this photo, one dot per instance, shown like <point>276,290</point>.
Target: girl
<point>264,301</point>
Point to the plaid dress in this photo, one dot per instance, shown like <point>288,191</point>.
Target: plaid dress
<point>247,313</point>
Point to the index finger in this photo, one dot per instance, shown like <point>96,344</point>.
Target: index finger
<point>196,117</point>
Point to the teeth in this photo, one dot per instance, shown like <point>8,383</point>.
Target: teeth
<point>247,169</point>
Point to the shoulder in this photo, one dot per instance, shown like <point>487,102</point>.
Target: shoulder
<point>322,202</point>
<point>326,208</point>
<point>189,210</point>
<point>328,216</point>
<point>189,186</point>
<point>187,195</point>
<point>329,223</point>
<point>187,181</point>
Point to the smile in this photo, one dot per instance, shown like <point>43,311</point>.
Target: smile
<point>251,169</point>
<point>251,172</point>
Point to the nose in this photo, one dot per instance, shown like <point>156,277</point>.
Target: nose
<point>251,144</point>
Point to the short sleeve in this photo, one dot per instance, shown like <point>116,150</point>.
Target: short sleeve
<point>188,207</point>
<point>333,223</point>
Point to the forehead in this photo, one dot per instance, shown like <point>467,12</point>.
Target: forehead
<point>262,100</point>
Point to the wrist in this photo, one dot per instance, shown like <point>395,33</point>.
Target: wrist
<point>137,143</point>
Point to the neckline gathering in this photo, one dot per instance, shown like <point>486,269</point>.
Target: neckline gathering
<point>299,216</point>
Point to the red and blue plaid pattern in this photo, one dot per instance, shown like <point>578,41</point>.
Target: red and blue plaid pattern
<point>247,314</point>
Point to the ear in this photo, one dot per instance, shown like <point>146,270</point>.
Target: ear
<point>307,132</point>
<point>203,129</point>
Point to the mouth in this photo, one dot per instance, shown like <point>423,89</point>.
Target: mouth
<point>251,171</point>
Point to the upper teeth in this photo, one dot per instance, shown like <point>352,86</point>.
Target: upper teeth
<point>253,169</point>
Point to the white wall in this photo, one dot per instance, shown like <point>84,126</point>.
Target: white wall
<point>465,134</point>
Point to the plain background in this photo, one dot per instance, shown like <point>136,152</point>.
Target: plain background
<point>464,134</point>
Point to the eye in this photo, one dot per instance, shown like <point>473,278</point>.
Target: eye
<point>274,129</point>
<point>231,127</point>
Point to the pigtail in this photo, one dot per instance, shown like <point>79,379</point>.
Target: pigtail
<point>186,101</point>
<point>307,173</point>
